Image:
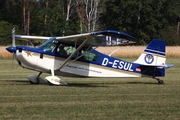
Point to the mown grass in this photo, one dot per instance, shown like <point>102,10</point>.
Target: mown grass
<point>89,98</point>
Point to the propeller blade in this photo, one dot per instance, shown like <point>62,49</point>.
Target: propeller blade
<point>13,56</point>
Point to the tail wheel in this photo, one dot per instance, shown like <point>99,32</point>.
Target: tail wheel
<point>160,81</point>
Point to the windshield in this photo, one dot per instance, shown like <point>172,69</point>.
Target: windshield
<point>49,45</point>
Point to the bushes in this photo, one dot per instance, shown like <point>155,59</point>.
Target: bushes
<point>5,32</point>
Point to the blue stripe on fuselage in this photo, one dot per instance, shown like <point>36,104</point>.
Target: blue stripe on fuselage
<point>36,50</point>
<point>116,63</point>
<point>112,62</point>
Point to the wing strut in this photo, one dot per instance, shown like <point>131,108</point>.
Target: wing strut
<point>62,65</point>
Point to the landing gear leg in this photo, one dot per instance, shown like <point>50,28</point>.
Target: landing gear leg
<point>159,81</point>
<point>36,79</point>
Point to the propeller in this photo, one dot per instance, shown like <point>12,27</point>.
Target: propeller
<point>13,56</point>
<point>13,45</point>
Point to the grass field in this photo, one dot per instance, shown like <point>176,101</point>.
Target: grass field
<point>89,98</point>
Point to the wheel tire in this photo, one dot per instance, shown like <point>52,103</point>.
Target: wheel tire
<point>161,82</point>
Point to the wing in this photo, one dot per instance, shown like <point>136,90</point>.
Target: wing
<point>107,37</point>
<point>26,37</point>
<point>98,38</point>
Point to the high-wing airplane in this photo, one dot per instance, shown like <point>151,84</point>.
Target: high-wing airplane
<point>76,55</point>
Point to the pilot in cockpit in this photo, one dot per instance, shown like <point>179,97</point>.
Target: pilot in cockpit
<point>61,50</point>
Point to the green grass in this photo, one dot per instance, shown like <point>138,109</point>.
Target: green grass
<point>89,98</point>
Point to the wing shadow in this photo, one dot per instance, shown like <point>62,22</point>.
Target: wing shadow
<point>143,83</point>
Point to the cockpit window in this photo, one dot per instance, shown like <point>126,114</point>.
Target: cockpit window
<point>64,49</point>
<point>89,55</point>
<point>49,45</point>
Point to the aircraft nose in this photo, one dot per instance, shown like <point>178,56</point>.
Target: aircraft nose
<point>11,49</point>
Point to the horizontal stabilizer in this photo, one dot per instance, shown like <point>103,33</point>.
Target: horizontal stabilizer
<point>169,65</point>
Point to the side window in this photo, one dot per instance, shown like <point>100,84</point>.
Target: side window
<point>61,50</point>
<point>89,55</point>
<point>65,50</point>
<point>70,49</point>
<point>52,47</point>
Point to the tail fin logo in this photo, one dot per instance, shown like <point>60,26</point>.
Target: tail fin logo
<point>149,58</point>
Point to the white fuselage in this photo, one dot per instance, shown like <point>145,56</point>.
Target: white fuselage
<point>32,60</point>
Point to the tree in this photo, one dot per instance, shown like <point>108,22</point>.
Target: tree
<point>88,12</point>
<point>72,20</point>
<point>55,18</point>
<point>10,11</point>
<point>143,19</point>
<point>5,32</point>
<point>26,15</point>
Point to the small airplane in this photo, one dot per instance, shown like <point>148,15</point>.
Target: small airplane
<point>76,55</point>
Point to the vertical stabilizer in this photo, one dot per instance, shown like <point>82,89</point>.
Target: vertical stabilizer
<point>154,54</point>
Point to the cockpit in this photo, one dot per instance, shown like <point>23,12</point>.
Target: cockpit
<point>49,45</point>
<point>60,49</point>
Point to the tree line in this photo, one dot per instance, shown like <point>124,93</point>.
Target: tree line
<point>144,19</point>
